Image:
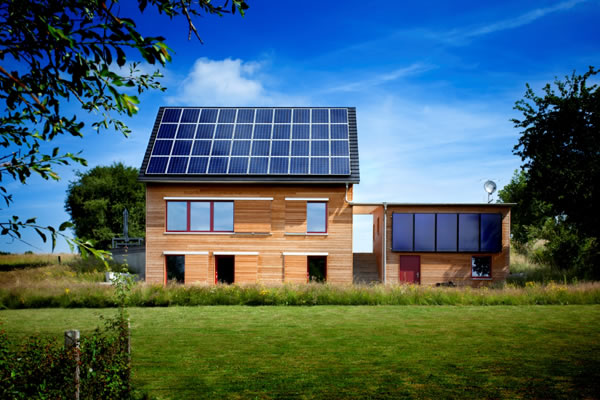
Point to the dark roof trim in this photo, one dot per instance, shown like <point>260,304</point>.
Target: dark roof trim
<point>436,204</point>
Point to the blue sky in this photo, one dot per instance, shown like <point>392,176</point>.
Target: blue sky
<point>434,84</point>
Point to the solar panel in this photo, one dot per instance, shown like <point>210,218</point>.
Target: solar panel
<point>267,141</point>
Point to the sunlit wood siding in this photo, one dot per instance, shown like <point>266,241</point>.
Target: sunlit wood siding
<point>251,235</point>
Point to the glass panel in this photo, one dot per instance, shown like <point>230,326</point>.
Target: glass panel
<point>300,148</point>
<point>262,131</point>
<point>218,165</point>
<point>176,268</point>
<point>468,232</point>
<point>245,116</point>
<point>280,148</point>
<point>339,115</point>
<point>402,232</point>
<point>243,131</point>
<point>157,165</point>
<point>316,217</point>
<point>339,148</point>
<point>182,147</point>
<point>171,115</point>
<point>186,131</point>
<point>319,148</point>
<point>339,131</point>
<point>281,131</point>
<point>319,166</point>
<point>201,147</point>
<point>178,165</point>
<point>167,131</point>
<point>198,165</point>
<point>283,116</point>
<point>320,115</point>
<point>176,215</point>
<point>446,232</point>
<point>240,148</point>
<point>301,131</point>
<point>223,216</point>
<point>208,115</point>
<point>424,232</point>
<point>224,131</point>
<point>260,148</point>
<point>491,233</point>
<point>162,147</point>
<point>264,115</point>
<point>205,131</point>
<point>299,165</point>
<point>227,115</point>
<point>200,215</point>
<point>238,165</point>
<point>301,115</point>
<point>190,115</point>
<point>279,165</point>
<point>259,165</point>
<point>221,147</point>
<point>481,267</point>
<point>340,166</point>
<point>320,131</point>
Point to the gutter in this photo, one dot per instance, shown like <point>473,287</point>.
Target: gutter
<point>384,241</point>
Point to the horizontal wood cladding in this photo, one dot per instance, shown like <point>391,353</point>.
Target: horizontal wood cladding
<point>445,267</point>
<point>296,269</point>
<point>196,268</point>
<point>245,269</point>
<point>295,216</point>
<point>252,216</point>
<point>270,247</point>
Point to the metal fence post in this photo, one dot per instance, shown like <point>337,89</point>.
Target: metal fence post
<point>72,341</point>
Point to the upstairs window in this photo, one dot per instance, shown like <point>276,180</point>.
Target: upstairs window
<point>199,216</point>
<point>316,217</point>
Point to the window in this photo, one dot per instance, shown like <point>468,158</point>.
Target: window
<point>316,217</point>
<point>481,267</point>
<point>199,216</point>
<point>447,232</point>
<point>175,269</point>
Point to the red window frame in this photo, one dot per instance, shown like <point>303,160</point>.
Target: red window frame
<point>326,216</point>
<point>188,214</point>
<point>482,278</point>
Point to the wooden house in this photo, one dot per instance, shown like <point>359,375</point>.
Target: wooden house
<point>246,194</point>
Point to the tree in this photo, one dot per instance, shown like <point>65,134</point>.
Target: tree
<point>560,150</point>
<point>56,53</point>
<point>96,200</point>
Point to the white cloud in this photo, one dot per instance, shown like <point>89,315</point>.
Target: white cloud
<point>229,82</point>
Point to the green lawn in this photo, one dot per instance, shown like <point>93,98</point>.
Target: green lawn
<point>352,352</point>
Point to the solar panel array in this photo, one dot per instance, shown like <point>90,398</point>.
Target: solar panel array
<point>246,141</point>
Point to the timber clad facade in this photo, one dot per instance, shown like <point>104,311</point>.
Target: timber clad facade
<point>246,195</point>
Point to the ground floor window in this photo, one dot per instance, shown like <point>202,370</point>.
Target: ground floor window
<point>317,269</point>
<point>175,269</point>
<point>224,269</point>
<point>481,267</point>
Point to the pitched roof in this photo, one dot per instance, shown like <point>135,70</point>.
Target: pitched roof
<point>253,144</point>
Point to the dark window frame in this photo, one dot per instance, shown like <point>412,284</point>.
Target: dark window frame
<point>188,215</point>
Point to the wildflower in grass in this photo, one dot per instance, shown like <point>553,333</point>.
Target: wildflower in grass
<point>67,291</point>
<point>264,292</point>
<point>529,284</point>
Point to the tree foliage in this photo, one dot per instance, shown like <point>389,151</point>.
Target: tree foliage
<point>560,150</point>
<point>96,200</point>
<point>57,53</point>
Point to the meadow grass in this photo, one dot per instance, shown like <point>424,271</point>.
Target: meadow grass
<point>328,352</point>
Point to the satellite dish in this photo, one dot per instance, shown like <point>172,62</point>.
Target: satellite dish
<point>489,186</point>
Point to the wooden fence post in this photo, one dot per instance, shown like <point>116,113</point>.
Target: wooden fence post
<point>72,341</point>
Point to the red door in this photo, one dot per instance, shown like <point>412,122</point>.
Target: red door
<point>410,269</point>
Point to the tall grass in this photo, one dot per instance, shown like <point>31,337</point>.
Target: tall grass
<point>147,295</point>
<point>525,267</point>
